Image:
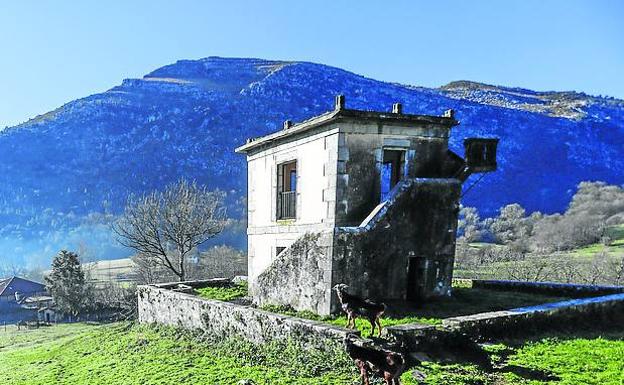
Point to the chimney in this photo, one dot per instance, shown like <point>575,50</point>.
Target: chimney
<point>397,108</point>
<point>340,103</point>
<point>449,114</point>
<point>287,124</point>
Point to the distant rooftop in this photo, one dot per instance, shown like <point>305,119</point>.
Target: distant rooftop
<point>9,286</point>
<point>340,112</point>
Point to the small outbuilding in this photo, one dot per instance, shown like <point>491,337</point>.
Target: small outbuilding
<point>48,314</point>
<point>365,198</point>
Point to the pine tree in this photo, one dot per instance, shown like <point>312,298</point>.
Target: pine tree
<point>66,283</point>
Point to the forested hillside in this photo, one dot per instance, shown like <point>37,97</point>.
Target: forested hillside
<point>64,175</point>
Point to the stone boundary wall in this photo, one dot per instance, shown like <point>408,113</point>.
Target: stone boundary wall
<point>551,288</point>
<point>548,316</point>
<point>165,305</point>
<point>174,304</point>
<point>519,321</point>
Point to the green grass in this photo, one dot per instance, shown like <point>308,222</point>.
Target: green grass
<point>615,233</point>
<point>131,354</point>
<point>362,325</point>
<point>128,354</point>
<point>554,360</point>
<point>598,361</point>
<point>228,293</point>
<point>616,247</point>
<point>464,301</point>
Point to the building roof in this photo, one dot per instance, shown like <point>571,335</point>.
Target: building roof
<point>340,113</point>
<point>9,286</point>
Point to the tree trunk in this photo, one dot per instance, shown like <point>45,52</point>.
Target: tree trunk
<point>182,274</point>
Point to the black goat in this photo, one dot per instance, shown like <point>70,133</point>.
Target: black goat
<point>355,307</point>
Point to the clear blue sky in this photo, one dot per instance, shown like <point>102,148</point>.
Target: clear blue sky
<point>57,51</point>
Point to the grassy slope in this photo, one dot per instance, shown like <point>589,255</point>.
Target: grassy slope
<point>114,354</point>
<point>616,247</point>
<point>125,354</point>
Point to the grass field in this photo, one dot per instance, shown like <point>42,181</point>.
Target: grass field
<point>615,247</point>
<point>131,354</point>
<point>128,354</point>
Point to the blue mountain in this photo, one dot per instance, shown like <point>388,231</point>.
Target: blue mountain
<point>64,175</point>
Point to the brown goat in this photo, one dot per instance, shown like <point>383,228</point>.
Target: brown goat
<point>355,307</point>
<point>385,364</point>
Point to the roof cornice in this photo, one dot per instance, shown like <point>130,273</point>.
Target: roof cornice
<point>346,114</point>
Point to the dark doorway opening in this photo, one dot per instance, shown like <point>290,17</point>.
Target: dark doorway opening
<point>416,278</point>
<point>392,170</point>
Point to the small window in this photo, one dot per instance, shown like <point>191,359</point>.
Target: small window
<point>481,154</point>
<point>287,190</point>
<point>278,250</point>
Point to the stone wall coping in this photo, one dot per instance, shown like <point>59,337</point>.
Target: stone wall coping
<point>518,285</point>
<point>543,308</point>
<point>565,304</point>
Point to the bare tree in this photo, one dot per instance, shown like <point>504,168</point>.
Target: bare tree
<point>617,269</point>
<point>166,227</point>
<point>221,262</point>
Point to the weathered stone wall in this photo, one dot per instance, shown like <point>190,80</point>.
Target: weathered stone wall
<point>300,276</point>
<point>357,184</point>
<point>549,316</point>
<point>163,306</point>
<point>416,226</point>
<point>516,322</point>
<point>166,305</point>
<point>360,158</point>
<point>419,223</point>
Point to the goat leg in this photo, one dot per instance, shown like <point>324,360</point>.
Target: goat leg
<point>378,322</point>
<point>363,371</point>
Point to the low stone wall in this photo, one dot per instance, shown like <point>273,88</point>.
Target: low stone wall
<point>174,304</point>
<point>550,288</point>
<point>549,316</point>
<point>519,321</point>
<point>160,304</point>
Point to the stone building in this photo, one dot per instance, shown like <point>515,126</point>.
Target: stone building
<point>19,298</point>
<point>365,198</point>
